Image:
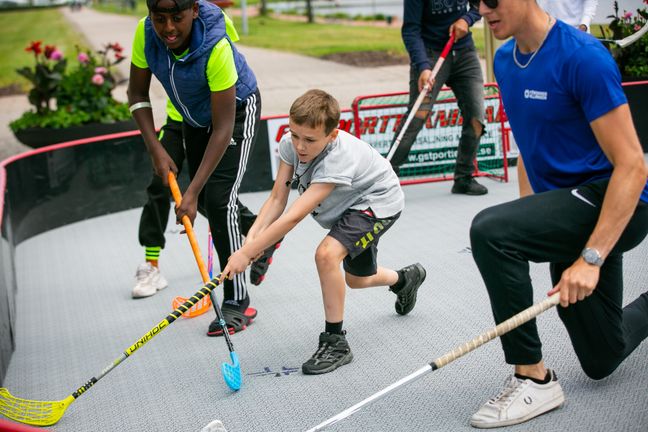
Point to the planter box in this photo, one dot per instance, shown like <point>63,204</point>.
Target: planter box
<point>637,94</point>
<point>41,137</point>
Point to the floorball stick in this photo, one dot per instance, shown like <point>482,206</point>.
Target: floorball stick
<point>504,327</point>
<point>629,40</point>
<point>419,100</point>
<point>47,413</point>
<point>210,254</point>
<point>205,304</point>
<point>231,372</point>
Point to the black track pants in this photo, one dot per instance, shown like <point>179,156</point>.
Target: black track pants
<point>228,219</point>
<point>554,227</point>
<point>155,214</point>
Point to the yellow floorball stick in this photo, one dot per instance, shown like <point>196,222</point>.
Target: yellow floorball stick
<point>46,413</point>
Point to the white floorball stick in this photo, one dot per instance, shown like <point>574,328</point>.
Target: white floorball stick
<point>629,39</point>
<point>419,100</point>
<point>502,328</point>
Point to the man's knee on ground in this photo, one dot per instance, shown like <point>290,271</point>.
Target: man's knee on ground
<point>485,228</point>
<point>597,370</point>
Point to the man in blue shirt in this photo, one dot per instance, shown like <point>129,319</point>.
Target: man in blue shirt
<point>427,26</point>
<point>584,202</point>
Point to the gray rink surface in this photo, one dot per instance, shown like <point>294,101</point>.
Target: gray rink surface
<point>75,316</point>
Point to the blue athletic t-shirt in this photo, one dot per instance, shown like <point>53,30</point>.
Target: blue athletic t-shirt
<point>571,81</point>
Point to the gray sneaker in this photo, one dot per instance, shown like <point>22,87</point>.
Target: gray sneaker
<point>406,298</point>
<point>519,401</point>
<point>333,352</point>
<point>148,281</point>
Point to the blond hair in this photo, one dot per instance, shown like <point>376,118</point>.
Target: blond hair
<point>316,108</point>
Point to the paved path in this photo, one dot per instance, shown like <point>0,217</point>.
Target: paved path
<point>282,76</point>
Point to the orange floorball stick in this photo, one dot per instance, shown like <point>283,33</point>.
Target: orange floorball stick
<point>205,304</point>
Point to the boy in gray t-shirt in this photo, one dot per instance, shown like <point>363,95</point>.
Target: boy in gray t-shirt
<point>350,189</point>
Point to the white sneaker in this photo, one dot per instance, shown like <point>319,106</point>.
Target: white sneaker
<point>521,400</point>
<point>149,280</point>
<point>215,426</point>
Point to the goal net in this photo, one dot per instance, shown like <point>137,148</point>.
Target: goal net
<point>433,155</point>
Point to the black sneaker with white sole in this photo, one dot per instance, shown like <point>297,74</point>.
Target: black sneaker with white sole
<point>333,352</point>
<point>406,297</point>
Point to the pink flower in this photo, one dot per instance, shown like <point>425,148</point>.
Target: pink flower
<point>56,55</point>
<point>49,49</point>
<point>100,70</point>
<point>97,79</point>
<point>83,58</point>
<point>637,27</point>
<point>627,15</point>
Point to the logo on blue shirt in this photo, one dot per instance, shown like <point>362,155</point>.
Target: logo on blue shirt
<point>535,94</point>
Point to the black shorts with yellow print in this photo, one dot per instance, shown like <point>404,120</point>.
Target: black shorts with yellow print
<point>359,231</point>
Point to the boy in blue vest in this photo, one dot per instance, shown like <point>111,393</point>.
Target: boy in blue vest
<point>349,189</point>
<point>185,44</point>
<point>584,203</point>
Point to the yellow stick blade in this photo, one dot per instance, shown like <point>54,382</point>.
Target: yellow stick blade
<point>36,413</point>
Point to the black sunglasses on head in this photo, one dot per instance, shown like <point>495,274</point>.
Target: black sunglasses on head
<point>492,4</point>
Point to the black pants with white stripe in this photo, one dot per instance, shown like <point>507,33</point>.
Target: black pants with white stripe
<point>553,227</point>
<point>155,214</point>
<point>219,198</point>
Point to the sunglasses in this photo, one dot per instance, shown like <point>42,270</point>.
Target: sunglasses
<point>492,4</point>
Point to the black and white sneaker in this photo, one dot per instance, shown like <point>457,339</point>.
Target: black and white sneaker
<point>332,353</point>
<point>406,296</point>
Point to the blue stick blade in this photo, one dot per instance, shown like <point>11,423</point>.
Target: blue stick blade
<point>232,373</point>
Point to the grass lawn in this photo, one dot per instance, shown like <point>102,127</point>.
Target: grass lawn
<point>319,39</point>
<point>309,39</point>
<point>19,28</point>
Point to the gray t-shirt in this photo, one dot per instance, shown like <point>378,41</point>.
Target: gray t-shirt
<point>363,178</point>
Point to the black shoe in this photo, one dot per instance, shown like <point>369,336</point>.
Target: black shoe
<point>332,353</point>
<point>259,268</point>
<point>237,316</point>
<point>406,297</point>
<point>468,186</point>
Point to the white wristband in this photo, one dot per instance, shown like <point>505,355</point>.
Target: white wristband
<point>139,105</point>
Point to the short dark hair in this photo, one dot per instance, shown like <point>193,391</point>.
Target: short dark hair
<point>316,108</point>
<point>180,5</point>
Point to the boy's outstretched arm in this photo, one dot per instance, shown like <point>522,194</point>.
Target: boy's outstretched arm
<point>304,205</point>
<point>275,205</point>
<point>138,92</point>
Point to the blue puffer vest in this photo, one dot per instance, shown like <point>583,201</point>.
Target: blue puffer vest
<point>184,79</point>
